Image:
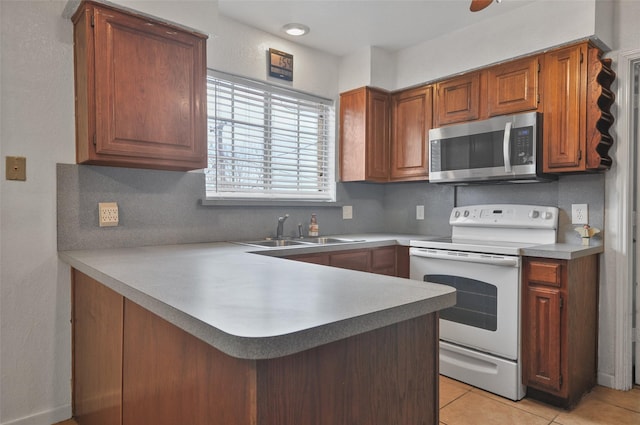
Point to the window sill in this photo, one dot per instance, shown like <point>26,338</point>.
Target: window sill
<point>268,203</point>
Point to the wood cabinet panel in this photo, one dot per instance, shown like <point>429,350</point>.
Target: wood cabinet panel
<point>140,91</point>
<point>319,258</point>
<point>412,118</point>
<point>353,260</point>
<point>544,273</point>
<point>513,87</point>
<point>543,345</point>
<point>564,109</point>
<point>383,260</point>
<point>559,328</point>
<point>402,261</point>
<point>387,260</point>
<point>171,377</point>
<point>380,377</point>
<point>364,135</point>
<point>149,371</point>
<point>97,352</point>
<point>458,99</point>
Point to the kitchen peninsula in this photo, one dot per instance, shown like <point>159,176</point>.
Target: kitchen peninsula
<point>214,333</point>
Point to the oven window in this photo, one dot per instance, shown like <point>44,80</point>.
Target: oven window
<point>477,301</point>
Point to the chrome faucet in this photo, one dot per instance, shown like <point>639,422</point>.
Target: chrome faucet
<point>279,230</point>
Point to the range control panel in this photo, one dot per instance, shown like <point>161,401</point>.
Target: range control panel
<point>505,215</point>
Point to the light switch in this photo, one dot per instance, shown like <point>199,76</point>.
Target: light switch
<point>419,212</point>
<point>16,168</point>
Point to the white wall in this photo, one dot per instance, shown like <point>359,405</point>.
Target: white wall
<point>526,29</point>
<point>37,122</point>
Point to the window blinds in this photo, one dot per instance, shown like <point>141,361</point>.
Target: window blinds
<point>268,142</point>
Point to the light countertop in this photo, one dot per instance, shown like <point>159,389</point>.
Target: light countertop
<point>260,306</point>
<point>257,306</point>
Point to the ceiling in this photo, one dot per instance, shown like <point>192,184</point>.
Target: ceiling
<point>341,27</point>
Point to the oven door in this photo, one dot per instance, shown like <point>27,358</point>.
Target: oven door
<point>485,317</point>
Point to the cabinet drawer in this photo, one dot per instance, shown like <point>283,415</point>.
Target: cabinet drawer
<point>544,273</point>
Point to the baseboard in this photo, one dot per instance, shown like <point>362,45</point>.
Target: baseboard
<point>47,417</point>
<point>606,380</point>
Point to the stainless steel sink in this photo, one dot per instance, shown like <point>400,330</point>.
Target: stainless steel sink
<point>272,243</point>
<point>325,240</point>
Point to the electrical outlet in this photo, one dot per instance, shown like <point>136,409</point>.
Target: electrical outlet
<point>419,212</point>
<point>347,212</point>
<point>108,214</point>
<point>579,214</point>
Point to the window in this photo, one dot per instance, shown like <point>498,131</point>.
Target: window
<point>268,142</point>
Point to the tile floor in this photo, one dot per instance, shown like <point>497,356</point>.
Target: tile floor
<point>462,404</point>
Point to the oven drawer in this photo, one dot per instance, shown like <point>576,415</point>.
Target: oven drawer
<point>547,272</point>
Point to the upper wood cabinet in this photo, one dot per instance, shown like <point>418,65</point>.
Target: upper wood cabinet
<point>570,86</point>
<point>513,87</point>
<point>140,88</point>
<point>458,99</point>
<point>412,118</point>
<point>564,128</point>
<point>364,135</point>
<point>576,106</point>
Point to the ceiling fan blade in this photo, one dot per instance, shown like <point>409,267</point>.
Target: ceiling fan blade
<point>477,5</point>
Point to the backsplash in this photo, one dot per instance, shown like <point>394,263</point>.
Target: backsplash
<point>163,207</point>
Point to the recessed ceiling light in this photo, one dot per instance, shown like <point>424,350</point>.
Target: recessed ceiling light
<point>296,29</point>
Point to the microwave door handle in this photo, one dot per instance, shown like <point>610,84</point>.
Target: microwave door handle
<point>506,147</point>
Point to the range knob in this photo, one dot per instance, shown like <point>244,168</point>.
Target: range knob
<point>534,214</point>
<point>466,213</point>
<point>548,215</point>
<point>456,214</point>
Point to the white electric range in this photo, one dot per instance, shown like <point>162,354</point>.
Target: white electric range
<point>480,335</point>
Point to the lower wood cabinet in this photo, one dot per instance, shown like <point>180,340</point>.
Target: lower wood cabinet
<point>131,367</point>
<point>97,319</point>
<point>559,328</point>
<point>387,260</point>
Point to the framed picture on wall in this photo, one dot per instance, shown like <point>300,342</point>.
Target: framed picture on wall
<point>280,65</point>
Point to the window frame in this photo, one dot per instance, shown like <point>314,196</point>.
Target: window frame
<point>327,187</point>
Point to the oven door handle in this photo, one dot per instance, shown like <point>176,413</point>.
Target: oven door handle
<point>494,260</point>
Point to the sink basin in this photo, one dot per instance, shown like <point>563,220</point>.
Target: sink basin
<point>322,240</point>
<point>272,243</point>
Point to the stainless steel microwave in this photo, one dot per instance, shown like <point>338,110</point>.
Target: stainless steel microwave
<point>500,149</point>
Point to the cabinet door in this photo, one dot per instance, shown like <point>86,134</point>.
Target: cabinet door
<point>320,258</point>
<point>378,123</point>
<point>541,339</point>
<point>402,261</point>
<point>171,377</point>
<point>364,135</point>
<point>150,93</point>
<point>411,122</point>
<point>353,260</point>
<point>513,87</point>
<point>458,99</point>
<point>97,352</point>
<point>383,260</point>
<point>564,109</point>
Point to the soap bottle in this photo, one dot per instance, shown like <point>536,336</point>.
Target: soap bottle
<point>313,226</point>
